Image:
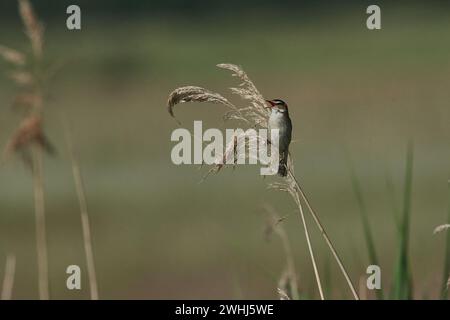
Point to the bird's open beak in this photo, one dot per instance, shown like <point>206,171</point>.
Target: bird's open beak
<point>271,104</point>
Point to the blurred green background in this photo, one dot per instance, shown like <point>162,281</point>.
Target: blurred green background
<point>160,233</point>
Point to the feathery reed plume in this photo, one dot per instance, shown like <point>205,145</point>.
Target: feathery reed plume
<point>29,133</point>
<point>194,94</point>
<point>12,56</point>
<point>22,78</point>
<point>441,228</point>
<point>29,140</point>
<point>8,280</point>
<point>282,294</point>
<point>85,225</point>
<point>33,27</point>
<point>256,115</point>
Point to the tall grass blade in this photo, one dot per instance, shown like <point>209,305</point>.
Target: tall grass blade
<point>402,289</point>
<point>368,236</point>
<point>391,193</point>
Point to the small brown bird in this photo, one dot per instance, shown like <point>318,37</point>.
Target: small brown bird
<point>279,119</point>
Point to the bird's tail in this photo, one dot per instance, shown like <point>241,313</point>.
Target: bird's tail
<point>282,167</point>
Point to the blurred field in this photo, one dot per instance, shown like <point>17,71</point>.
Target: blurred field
<point>158,232</point>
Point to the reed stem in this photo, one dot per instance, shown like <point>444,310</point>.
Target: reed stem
<point>85,224</point>
<point>39,208</point>
<point>8,280</point>
<point>324,234</point>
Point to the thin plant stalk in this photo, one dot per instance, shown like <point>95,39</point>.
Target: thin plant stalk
<point>402,278</point>
<point>446,271</point>
<point>324,234</point>
<point>39,208</point>
<point>290,265</point>
<point>8,280</point>
<point>310,249</point>
<point>85,225</point>
<point>282,234</point>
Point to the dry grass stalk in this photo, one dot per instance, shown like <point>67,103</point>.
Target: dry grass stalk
<point>33,27</point>
<point>29,140</point>
<point>441,228</point>
<point>289,277</point>
<point>256,115</point>
<point>362,288</point>
<point>39,207</point>
<point>85,225</point>
<point>299,191</point>
<point>291,189</point>
<point>8,280</point>
<point>310,248</point>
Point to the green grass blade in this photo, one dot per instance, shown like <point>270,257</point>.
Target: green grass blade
<point>368,235</point>
<point>402,277</point>
<point>391,193</point>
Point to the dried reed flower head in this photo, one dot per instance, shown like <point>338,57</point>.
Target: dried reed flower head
<point>22,78</point>
<point>254,114</point>
<point>30,132</point>
<point>12,56</point>
<point>282,294</point>
<point>237,145</point>
<point>441,228</point>
<point>33,27</point>
<point>194,94</point>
